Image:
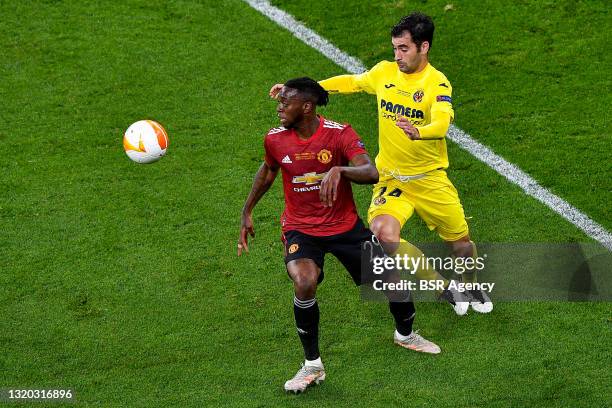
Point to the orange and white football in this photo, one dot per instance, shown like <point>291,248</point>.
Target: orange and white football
<point>145,141</point>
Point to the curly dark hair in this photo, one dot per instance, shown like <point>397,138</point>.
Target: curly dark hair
<point>309,89</point>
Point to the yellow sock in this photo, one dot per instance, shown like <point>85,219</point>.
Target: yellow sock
<point>425,272</point>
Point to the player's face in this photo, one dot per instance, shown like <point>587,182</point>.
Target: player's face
<point>290,107</point>
<point>409,59</point>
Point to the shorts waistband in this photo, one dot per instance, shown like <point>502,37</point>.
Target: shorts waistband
<point>404,178</point>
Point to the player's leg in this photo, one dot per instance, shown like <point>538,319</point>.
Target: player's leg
<point>304,273</point>
<point>389,210</point>
<point>466,248</point>
<point>437,203</point>
<point>304,261</point>
<point>347,248</point>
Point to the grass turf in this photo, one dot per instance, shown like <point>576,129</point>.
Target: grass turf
<point>121,281</point>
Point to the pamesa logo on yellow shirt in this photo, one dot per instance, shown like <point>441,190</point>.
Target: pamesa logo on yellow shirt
<point>393,111</point>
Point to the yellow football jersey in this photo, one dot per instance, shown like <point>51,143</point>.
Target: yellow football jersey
<point>414,96</point>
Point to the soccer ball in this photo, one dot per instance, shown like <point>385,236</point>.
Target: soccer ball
<point>145,141</point>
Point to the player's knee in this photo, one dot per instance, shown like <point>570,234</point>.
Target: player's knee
<point>305,284</point>
<point>304,273</point>
<point>385,229</point>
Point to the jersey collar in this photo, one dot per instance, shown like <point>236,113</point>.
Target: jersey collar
<point>314,136</point>
<point>417,75</point>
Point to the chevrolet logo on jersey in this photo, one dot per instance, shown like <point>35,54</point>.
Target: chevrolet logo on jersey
<point>402,110</point>
<point>308,178</point>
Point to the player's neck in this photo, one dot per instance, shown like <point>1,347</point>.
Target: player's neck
<point>307,127</point>
<point>420,68</point>
<point>422,65</point>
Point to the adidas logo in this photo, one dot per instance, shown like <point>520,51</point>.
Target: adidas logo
<point>287,160</point>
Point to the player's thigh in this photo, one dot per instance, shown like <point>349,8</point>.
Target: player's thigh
<point>349,249</point>
<point>304,256</point>
<point>437,203</point>
<point>390,197</point>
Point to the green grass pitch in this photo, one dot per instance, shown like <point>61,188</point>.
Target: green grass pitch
<point>121,282</point>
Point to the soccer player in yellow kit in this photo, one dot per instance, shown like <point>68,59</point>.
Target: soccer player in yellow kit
<point>414,113</point>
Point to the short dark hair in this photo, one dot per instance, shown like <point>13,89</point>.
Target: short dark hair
<point>419,25</point>
<point>310,89</point>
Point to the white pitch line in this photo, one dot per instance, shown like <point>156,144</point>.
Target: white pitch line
<point>465,141</point>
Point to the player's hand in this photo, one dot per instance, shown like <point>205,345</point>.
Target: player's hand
<point>246,227</point>
<point>275,90</point>
<point>329,186</point>
<point>408,128</point>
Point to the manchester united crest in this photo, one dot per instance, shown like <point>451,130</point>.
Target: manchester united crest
<point>293,248</point>
<point>324,156</point>
<point>418,96</point>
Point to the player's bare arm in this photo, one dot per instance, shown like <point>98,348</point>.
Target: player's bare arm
<point>261,184</point>
<point>361,171</point>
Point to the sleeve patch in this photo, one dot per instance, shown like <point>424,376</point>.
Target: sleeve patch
<point>444,98</point>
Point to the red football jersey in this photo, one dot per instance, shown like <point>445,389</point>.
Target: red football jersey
<point>303,164</point>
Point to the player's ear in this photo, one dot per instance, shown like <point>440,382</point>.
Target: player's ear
<point>308,106</point>
<point>425,47</point>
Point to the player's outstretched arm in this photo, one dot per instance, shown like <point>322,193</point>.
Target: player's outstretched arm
<point>361,171</point>
<point>339,84</point>
<point>263,180</point>
<point>345,84</point>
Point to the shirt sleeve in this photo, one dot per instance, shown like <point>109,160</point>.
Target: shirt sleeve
<point>364,82</point>
<point>437,128</point>
<point>443,101</point>
<point>351,144</point>
<point>269,156</point>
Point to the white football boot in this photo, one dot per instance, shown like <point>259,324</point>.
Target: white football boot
<point>458,301</point>
<point>305,377</point>
<point>480,301</point>
<point>415,342</point>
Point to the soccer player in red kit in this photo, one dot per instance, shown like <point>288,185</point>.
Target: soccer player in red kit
<point>318,159</point>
